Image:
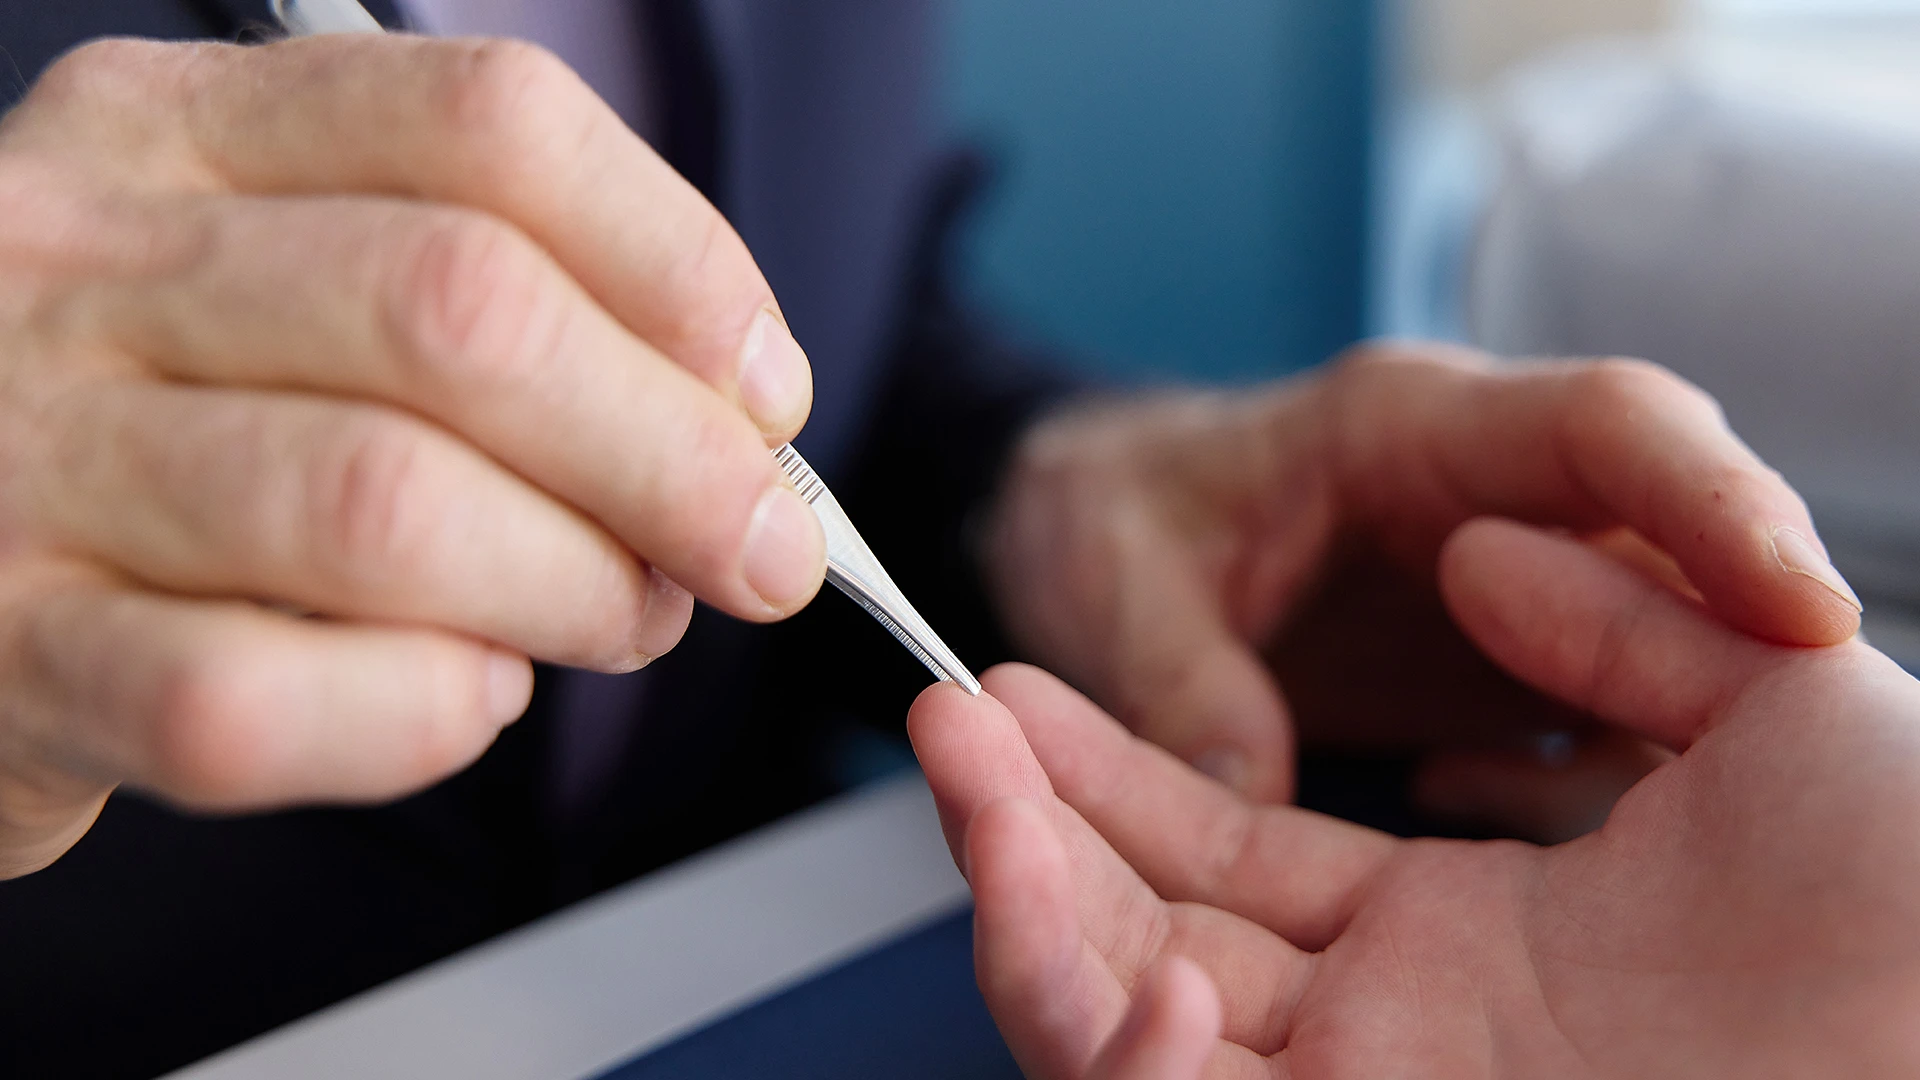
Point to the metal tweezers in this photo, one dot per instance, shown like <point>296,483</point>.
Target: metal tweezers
<point>852,569</point>
<point>850,563</point>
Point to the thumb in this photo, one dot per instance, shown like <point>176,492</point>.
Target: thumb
<point>1170,1030</point>
<point>1598,635</point>
<point>1182,678</point>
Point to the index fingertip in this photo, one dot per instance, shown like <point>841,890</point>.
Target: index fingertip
<point>1831,607</point>
<point>1782,588</point>
<point>945,701</point>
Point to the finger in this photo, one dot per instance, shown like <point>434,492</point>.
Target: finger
<point>1595,634</point>
<point>353,511</point>
<point>226,707</point>
<point>1170,1031</point>
<point>1052,994</point>
<point>42,817</point>
<point>1562,789</point>
<point>974,756</point>
<point>1632,550</point>
<point>1179,676</point>
<point>498,126</point>
<point>1429,440</point>
<point>1297,873</point>
<point>457,317</point>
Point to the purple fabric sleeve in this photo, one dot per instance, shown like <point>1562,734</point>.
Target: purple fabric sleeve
<point>602,39</point>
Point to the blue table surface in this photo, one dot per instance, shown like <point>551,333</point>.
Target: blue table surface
<point>907,1009</point>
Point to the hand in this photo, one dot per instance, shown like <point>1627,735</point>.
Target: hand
<point>1750,909</point>
<point>412,337</point>
<point>1168,1032</point>
<point>1186,560</point>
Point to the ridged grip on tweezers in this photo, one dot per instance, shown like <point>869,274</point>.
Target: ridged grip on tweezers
<point>852,569</point>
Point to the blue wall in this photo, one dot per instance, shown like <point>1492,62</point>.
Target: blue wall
<point>1185,182</point>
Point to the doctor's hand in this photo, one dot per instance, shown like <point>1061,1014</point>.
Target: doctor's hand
<point>338,377</point>
<point>1227,572</point>
<point>1750,909</point>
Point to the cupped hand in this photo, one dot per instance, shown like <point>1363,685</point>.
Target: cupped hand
<point>1219,569</point>
<point>1750,909</point>
<point>339,377</point>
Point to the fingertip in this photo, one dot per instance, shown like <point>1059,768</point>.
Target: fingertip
<point>973,751</point>
<point>1492,572</point>
<point>785,559</point>
<point>1824,610</point>
<point>1261,776</point>
<point>1170,1028</point>
<point>939,715</point>
<point>1193,997</point>
<point>1228,719</point>
<point>509,686</point>
<point>669,611</point>
<point>775,377</point>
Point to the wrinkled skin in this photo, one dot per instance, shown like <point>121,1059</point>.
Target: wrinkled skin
<point>1230,572</point>
<point>338,379</point>
<point>1750,909</point>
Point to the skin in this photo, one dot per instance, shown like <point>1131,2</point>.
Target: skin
<point>341,377</point>
<point>1230,573</point>
<point>338,378</point>
<point>1751,908</point>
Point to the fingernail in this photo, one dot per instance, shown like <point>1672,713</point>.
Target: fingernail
<point>509,687</point>
<point>1797,555</point>
<point>776,382</point>
<point>785,549</point>
<point>669,610</point>
<point>1226,765</point>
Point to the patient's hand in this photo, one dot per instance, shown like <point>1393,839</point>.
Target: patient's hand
<point>1751,908</point>
<point>1221,570</point>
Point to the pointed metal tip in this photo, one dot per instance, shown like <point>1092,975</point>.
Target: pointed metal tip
<point>964,680</point>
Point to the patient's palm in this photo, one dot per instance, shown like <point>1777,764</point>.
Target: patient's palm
<point>1734,918</point>
<point>1751,909</point>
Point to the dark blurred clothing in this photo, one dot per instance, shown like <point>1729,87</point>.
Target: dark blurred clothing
<point>162,938</point>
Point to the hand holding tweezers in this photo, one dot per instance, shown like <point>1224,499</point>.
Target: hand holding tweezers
<point>851,566</point>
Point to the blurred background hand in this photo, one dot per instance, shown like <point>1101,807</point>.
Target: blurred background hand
<point>1750,908</point>
<point>1232,572</point>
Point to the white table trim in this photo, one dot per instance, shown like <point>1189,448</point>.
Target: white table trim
<point>581,991</point>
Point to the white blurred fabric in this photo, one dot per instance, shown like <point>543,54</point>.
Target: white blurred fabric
<point>1747,213</point>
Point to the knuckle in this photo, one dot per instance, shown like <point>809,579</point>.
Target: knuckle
<point>516,105</point>
<point>1608,393</point>
<point>715,284</point>
<point>371,502</point>
<point>110,69</point>
<point>477,302</point>
<point>1623,383</point>
<point>1383,361</point>
<point>1369,361</point>
<point>1362,366</point>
